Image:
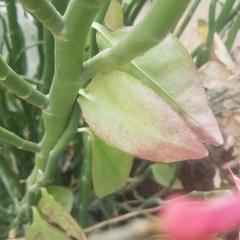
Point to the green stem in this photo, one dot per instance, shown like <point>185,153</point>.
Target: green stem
<point>145,35</point>
<point>223,16</point>
<point>127,11</point>
<point>136,11</point>
<point>17,141</point>
<point>49,62</point>
<point>69,50</point>
<point>233,33</point>
<point>21,215</point>
<point>6,171</point>
<point>140,168</point>
<point>85,182</point>
<point>67,136</point>
<point>233,13</point>
<point>46,13</point>
<point>93,48</point>
<point>32,191</point>
<point>10,192</point>
<point>20,87</point>
<point>40,37</point>
<point>187,18</point>
<point>211,24</point>
<point>49,48</point>
<point>133,185</point>
<point>5,33</point>
<point>18,63</point>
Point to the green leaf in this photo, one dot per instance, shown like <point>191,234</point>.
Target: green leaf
<point>169,71</point>
<point>111,167</point>
<point>163,174</point>
<point>58,214</point>
<point>62,195</point>
<point>114,17</point>
<point>40,229</point>
<point>130,116</point>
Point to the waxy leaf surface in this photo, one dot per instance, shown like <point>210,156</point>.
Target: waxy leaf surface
<point>58,214</point>
<point>111,167</point>
<point>130,116</point>
<point>169,71</point>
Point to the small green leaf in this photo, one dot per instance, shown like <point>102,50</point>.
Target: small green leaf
<point>58,214</point>
<point>169,70</point>
<point>130,116</point>
<point>111,167</point>
<point>114,16</point>
<point>41,230</point>
<point>163,174</point>
<point>62,195</point>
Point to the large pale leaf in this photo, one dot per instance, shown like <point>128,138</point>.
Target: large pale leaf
<point>58,214</point>
<point>130,116</point>
<point>111,167</point>
<point>168,70</point>
<point>40,229</point>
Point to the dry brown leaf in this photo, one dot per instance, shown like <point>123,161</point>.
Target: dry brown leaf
<point>215,76</point>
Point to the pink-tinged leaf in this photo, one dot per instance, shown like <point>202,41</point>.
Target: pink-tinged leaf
<point>187,219</point>
<point>236,179</point>
<point>169,70</point>
<point>130,116</point>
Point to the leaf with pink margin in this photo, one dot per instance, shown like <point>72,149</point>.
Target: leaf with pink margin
<point>130,116</point>
<point>169,70</point>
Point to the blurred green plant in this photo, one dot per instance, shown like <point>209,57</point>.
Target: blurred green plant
<point>69,67</point>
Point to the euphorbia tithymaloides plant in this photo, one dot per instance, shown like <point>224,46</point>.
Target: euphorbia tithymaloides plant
<point>145,97</point>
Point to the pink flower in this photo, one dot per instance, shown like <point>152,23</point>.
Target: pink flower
<point>187,219</point>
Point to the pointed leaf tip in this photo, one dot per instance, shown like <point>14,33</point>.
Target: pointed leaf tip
<point>130,116</point>
<point>169,70</point>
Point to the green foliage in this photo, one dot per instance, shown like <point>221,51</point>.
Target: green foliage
<point>56,213</point>
<point>138,122</point>
<point>111,168</point>
<point>139,92</point>
<point>164,174</point>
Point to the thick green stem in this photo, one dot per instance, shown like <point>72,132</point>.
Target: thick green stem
<point>20,87</point>
<point>17,141</point>
<point>67,136</point>
<point>154,27</point>
<point>69,50</point>
<point>85,182</point>
<point>49,49</point>
<point>46,13</point>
